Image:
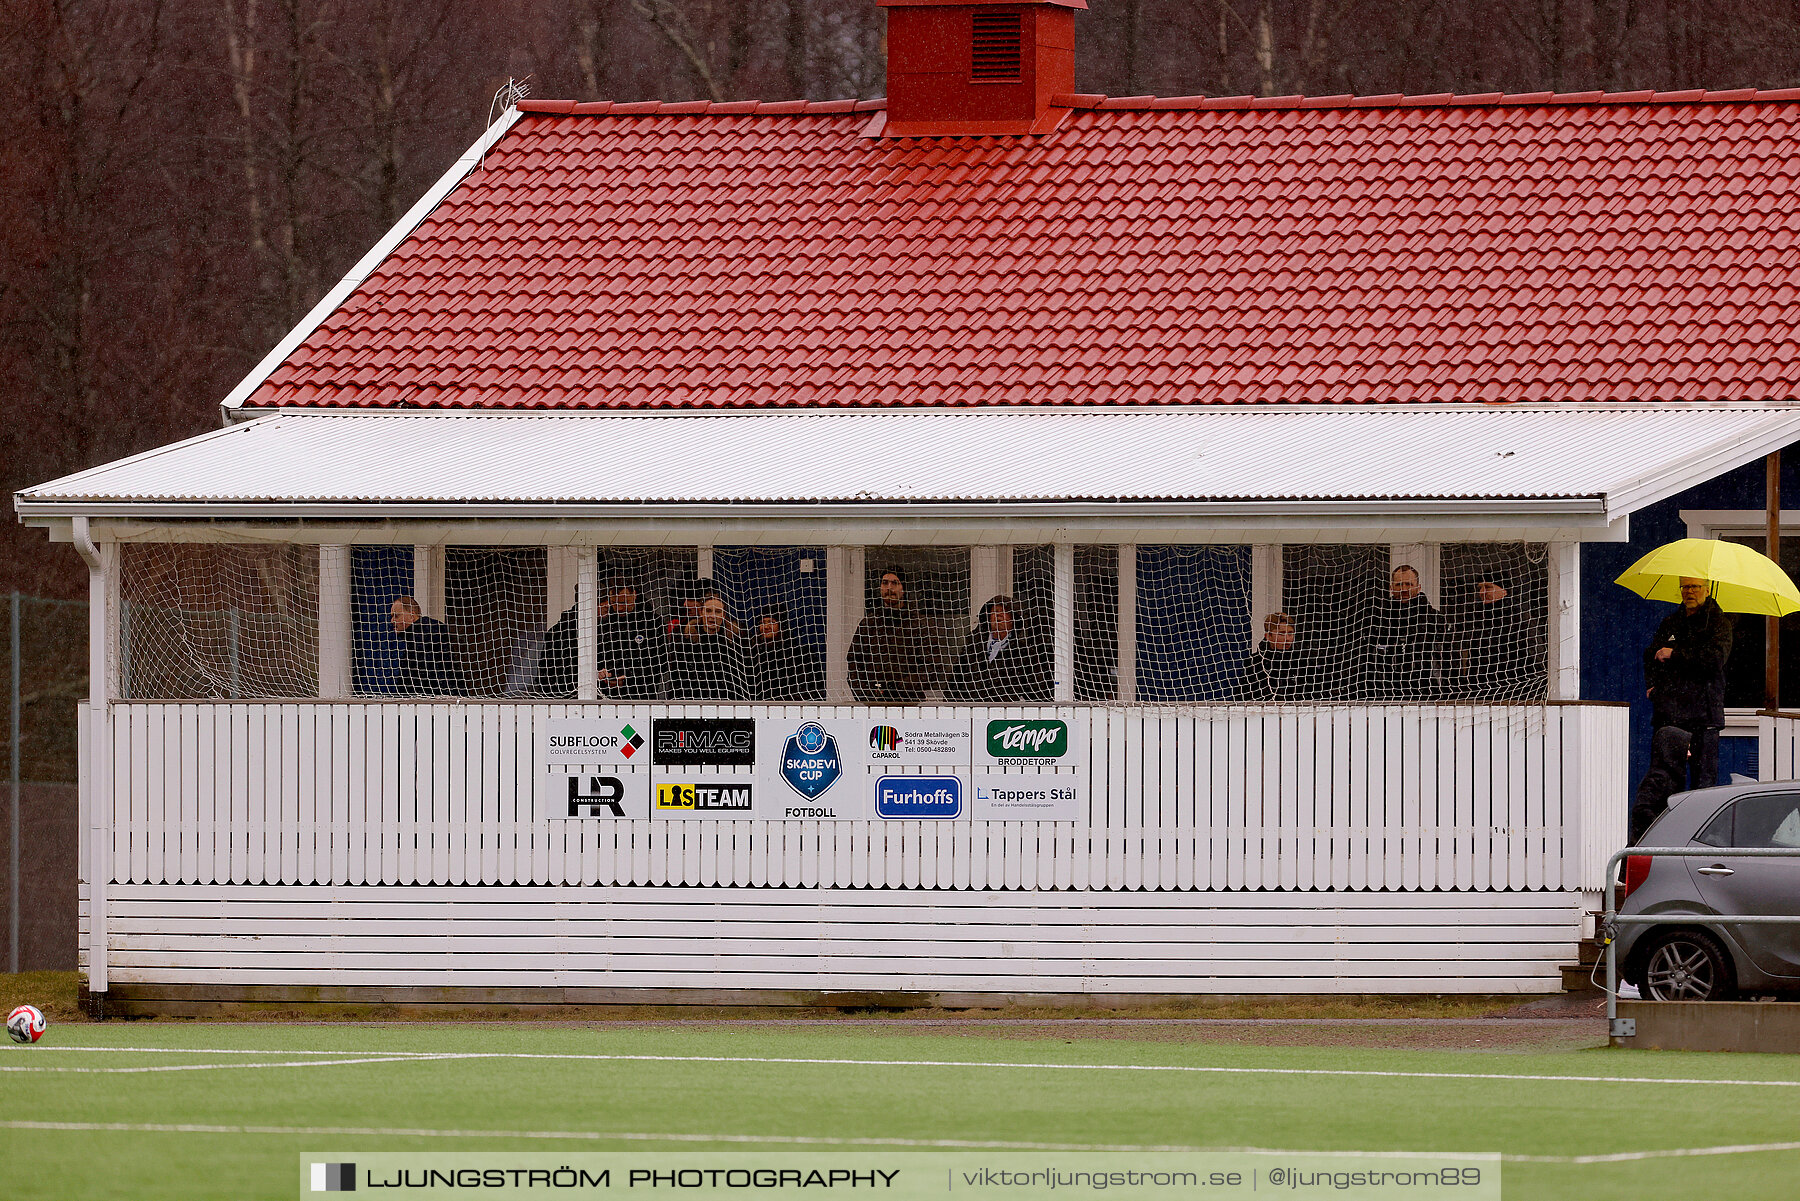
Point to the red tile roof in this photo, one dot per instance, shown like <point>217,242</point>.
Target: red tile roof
<point>1149,251</point>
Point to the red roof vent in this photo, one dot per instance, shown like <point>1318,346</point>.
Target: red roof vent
<point>965,68</point>
<point>998,48</point>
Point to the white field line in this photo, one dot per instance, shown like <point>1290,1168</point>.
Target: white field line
<point>378,1057</point>
<point>819,1141</point>
<point>240,1065</point>
<point>203,1051</point>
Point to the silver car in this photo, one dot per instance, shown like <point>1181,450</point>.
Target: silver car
<point>1710,960</point>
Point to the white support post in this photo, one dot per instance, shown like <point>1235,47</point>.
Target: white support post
<point>1265,587</point>
<point>984,578</point>
<point>334,621</point>
<point>1425,558</point>
<point>103,685</point>
<point>1062,592</point>
<point>428,580</point>
<point>587,624</point>
<point>843,613</point>
<point>562,565</point>
<point>703,563</point>
<point>1128,623</point>
<point>1565,621</point>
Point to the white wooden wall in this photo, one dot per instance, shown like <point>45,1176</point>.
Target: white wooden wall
<point>1387,797</point>
<point>1778,749</point>
<point>587,942</point>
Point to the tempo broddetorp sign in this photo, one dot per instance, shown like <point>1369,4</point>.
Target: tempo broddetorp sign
<point>1038,740</point>
<point>1030,769</point>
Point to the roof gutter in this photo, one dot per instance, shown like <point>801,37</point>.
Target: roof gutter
<point>1310,510</point>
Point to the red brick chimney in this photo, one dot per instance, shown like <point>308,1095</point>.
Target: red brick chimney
<point>962,68</point>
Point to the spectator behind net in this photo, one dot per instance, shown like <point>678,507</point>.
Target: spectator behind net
<point>1684,668</point>
<point>1406,645</point>
<point>429,664</point>
<point>887,657</point>
<point>782,667</point>
<point>632,654</point>
<point>1503,645</point>
<point>1001,661</point>
<point>685,623</point>
<point>709,660</point>
<point>1277,669</point>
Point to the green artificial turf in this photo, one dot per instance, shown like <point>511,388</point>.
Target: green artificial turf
<point>1516,1117</point>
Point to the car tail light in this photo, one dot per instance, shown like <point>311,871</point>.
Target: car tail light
<point>1637,870</point>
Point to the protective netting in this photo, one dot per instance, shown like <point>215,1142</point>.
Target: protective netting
<point>1200,624</point>
<point>208,621</point>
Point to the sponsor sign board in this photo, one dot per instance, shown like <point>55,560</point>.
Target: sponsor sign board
<point>616,742</point>
<point>934,742</point>
<point>703,742</point>
<point>1027,742</point>
<point>810,761</point>
<point>596,796</point>
<point>706,796</point>
<point>916,797</point>
<point>565,793</point>
<point>1028,796</point>
<point>813,769</point>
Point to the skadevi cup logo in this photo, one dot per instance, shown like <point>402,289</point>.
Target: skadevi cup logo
<point>1028,739</point>
<point>810,762</point>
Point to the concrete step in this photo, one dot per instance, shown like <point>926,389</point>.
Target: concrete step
<point>1581,976</point>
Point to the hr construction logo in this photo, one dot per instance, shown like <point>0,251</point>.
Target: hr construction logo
<point>333,1177</point>
<point>810,762</point>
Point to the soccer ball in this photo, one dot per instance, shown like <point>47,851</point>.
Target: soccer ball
<point>25,1024</point>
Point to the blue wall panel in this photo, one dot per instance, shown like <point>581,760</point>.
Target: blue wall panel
<point>378,574</point>
<point>1193,623</point>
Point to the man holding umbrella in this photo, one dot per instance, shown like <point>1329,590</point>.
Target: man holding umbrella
<point>1684,666</point>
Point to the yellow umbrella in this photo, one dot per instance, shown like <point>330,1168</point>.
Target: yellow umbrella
<point>1743,580</point>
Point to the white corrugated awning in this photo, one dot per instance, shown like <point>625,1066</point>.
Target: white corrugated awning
<point>1590,463</point>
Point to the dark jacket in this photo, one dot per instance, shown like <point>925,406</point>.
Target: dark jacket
<point>888,659</point>
<point>556,661</point>
<point>1667,775</point>
<point>1688,690</point>
<point>1405,655</point>
<point>429,663</point>
<point>1020,672</point>
<point>783,670</point>
<point>1276,675</point>
<point>630,645</point>
<point>1504,645</point>
<point>636,653</point>
<point>708,667</point>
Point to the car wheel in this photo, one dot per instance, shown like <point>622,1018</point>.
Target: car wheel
<point>1688,965</point>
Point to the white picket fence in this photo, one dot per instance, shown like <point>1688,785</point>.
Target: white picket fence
<point>1379,797</point>
<point>1778,745</point>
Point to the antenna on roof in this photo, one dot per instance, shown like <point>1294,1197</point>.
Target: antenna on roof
<point>514,91</point>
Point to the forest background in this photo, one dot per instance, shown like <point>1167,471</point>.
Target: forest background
<point>181,180</point>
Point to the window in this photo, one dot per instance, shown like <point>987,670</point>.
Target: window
<point>1768,821</point>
